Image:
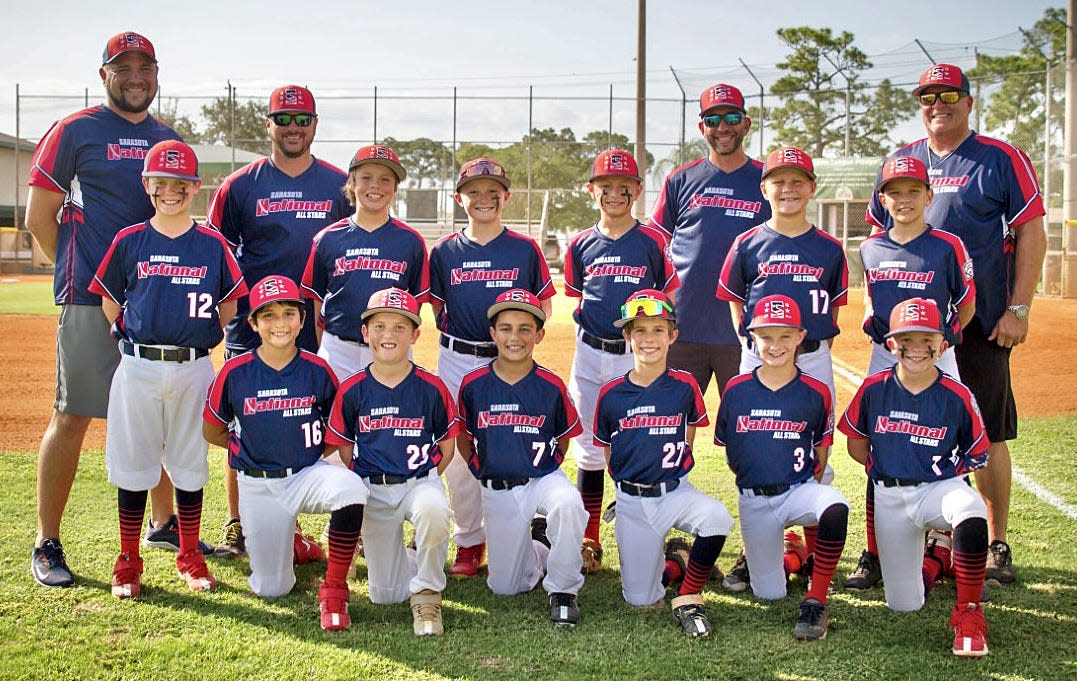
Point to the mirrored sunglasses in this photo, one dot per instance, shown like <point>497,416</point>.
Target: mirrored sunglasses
<point>646,307</point>
<point>948,97</point>
<point>303,120</point>
<point>730,118</point>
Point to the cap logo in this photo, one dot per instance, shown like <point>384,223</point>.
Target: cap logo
<point>271,287</point>
<point>394,298</point>
<point>791,155</point>
<point>381,152</point>
<point>132,41</point>
<point>902,164</point>
<point>777,309</point>
<point>615,162</point>
<point>517,296</point>
<point>913,313</point>
<point>721,92</point>
<point>939,73</point>
<point>173,159</point>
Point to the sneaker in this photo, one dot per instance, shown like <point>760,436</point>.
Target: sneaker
<point>999,564</point>
<point>970,630</point>
<point>738,580</point>
<point>127,577</point>
<point>426,614</point>
<point>49,566</point>
<point>591,552</point>
<point>795,553</point>
<point>867,574</point>
<point>166,536</point>
<point>468,560</point>
<point>192,567</point>
<point>334,606</point>
<point>305,549</point>
<point>678,550</point>
<point>538,531</point>
<point>564,611</point>
<point>689,612</point>
<point>813,620</point>
<point>232,543</point>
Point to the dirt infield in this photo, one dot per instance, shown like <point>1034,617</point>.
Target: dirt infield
<point>1044,370</point>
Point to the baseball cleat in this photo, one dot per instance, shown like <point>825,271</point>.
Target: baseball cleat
<point>166,536</point>
<point>591,552</point>
<point>970,630</point>
<point>795,553</point>
<point>689,612</point>
<point>813,620</point>
<point>564,611</point>
<point>192,567</point>
<point>305,549</point>
<point>678,550</point>
<point>468,560</point>
<point>334,606</point>
<point>538,531</point>
<point>738,579</point>
<point>232,543</point>
<point>426,614</point>
<point>127,577</point>
<point>49,566</point>
<point>866,575</point>
<point>999,564</point>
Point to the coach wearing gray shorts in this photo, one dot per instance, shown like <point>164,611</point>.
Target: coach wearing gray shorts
<point>85,186</point>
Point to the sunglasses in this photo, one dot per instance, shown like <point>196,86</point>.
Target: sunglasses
<point>646,307</point>
<point>303,120</point>
<point>730,118</point>
<point>481,169</point>
<point>948,97</point>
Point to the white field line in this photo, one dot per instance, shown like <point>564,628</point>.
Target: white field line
<point>855,378</point>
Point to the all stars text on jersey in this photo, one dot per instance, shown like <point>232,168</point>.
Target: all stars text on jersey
<point>786,265</point>
<point>165,266</point>
<point>475,271</point>
<point>303,209</point>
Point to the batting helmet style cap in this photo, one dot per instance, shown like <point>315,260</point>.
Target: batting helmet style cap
<point>276,288</point>
<point>292,99</point>
<point>789,157</point>
<point>517,299</point>
<point>898,167</point>
<point>128,41</point>
<point>646,303</point>
<point>482,168</point>
<point>615,163</point>
<point>776,310</point>
<point>171,158</point>
<point>942,74</point>
<point>382,155</point>
<point>720,94</point>
<point>915,314</point>
<point>394,300</point>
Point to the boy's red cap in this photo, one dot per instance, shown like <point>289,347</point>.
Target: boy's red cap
<point>789,157</point>
<point>915,314</point>
<point>720,94</point>
<point>382,155</point>
<point>291,99</point>
<point>128,41</point>
<point>276,288</point>
<point>517,299</point>
<point>776,310</point>
<point>171,158</point>
<point>647,303</point>
<point>393,300</point>
<point>942,74</point>
<point>482,168</point>
<point>897,167</point>
<point>615,163</point>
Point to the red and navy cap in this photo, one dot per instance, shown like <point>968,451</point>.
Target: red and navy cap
<point>128,41</point>
<point>276,288</point>
<point>913,315</point>
<point>615,163</point>
<point>171,158</point>
<point>720,94</point>
<point>647,303</point>
<point>776,310</point>
<point>517,299</point>
<point>789,157</point>
<point>382,155</point>
<point>898,167</point>
<point>482,168</point>
<point>393,300</point>
<point>942,74</point>
<point>292,99</point>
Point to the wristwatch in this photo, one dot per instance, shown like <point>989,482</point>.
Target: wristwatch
<point>1019,311</point>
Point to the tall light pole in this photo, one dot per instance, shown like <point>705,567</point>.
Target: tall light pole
<point>641,106</point>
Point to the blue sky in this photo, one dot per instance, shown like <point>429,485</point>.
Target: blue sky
<point>497,49</point>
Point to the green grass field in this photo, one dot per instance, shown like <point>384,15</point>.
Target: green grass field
<point>170,633</point>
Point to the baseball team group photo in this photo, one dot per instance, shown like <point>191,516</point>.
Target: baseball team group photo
<point>270,427</point>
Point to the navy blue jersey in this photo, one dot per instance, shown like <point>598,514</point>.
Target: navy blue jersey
<point>394,430</point>
<point>646,428</point>
<point>809,268</point>
<point>466,278</point>
<point>95,157</point>
<point>983,190</point>
<point>169,288</point>
<point>270,219</point>
<point>770,435</point>
<point>602,272</point>
<point>280,416</point>
<point>934,265</point>
<point>514,428</point>
<point>348,264</point>
<point>702,210</point>
<point>935,434</point>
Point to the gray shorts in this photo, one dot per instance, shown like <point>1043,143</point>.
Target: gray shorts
<point>86,358</point>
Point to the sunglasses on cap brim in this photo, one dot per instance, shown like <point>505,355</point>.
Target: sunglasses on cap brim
<point>646,307</point>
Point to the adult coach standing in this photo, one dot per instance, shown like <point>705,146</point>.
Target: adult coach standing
<point>85,186</point>
<point>986,192</point>
<point>269,211</point>
<point>702,207</point>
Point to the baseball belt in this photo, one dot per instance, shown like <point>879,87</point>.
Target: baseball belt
<point>635,489</point>
<point>273,475</point>
<point>614,347</point>
<point>498,484</point>
<point>387,479</point>
<point>899,482</point>
<point>488,350</point>
<point>159,354</point>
